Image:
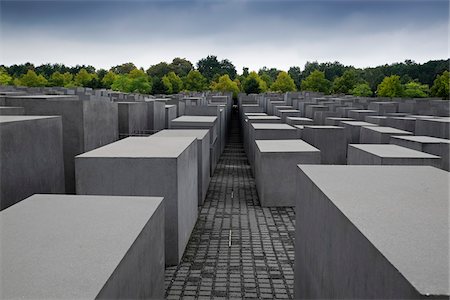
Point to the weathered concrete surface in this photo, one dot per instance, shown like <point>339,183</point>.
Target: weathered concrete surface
<point>299,121</point>
<point>11,111</point>
<point>83,247</point>
<point>148,166</point>
<point>133,118</point>
<point>156,115</point>
<point>379,134</point>
<point>31,157</point>
<point>379,120</point>
<point>276,168</point>
<point>334,121</point>
<point>171,114</point>
<point>383,154</point>
<point>86,124</point>
<point>361,114</point>
<point>436,146</point>
<point>203,155</point>
<point>284,113</point>
<point>353,130</point>
<point>437,127</point>
<point>330,140</point>
<point>378,232</point>
<point>402,123</point>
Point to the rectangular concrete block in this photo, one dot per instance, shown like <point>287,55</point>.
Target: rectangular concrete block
<point>320,116</point>
<point>86,124</point>
<point>148,166</point>
<point>299,121</point>
<point>83,247</point>
<point>379,120</point>
<point>382,154</point>
<point>310,110</point>
<point>353,130</point>
<point>436,146</point>
<point>31,157</point>
<point>334,121</point>
<point>132,118</point>
<point>379,134</point>
<point>171,114</point>
<point>330,140</point>
<point>361,114</point>
<point>437,127</point>
<point>255,119</point>
<point>268,131</point>
<point>371,232</point>
<point>11,111</point>
<point>275,169</point>
<point>156,115</point>
<point>203,155</point>
<point>402,123</point>
<point>284,113</point>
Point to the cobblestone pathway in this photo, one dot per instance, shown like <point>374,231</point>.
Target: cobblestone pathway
<point>259,262</point>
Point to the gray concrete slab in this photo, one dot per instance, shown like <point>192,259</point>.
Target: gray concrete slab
<point>255,119</point>
<point>31,157</point>
<point>133,118</point>
<point>403,123</point>
<point>379,120</point>
<point>330,140</point>
<point>148,166</point>
<point>321,116</point>
<point>284,113</point>
<point>86,124</point>
<point>299,121</point>
<point>83,247</point>
<point>11,111</point>
<point>388,154</point>
<point>427,144</point>
<point>384,107</point>
<point>268,131</point>
<point>203,155</point>
<point>379,134</point>
<point>171,114</point>
<point>437,127</point>
<point>353,130</point>
<point>156,115</point>
<point>275,169</point>
<point>334,121</point>
<point>378,232</point>
<point>310,110</point>
<point>361,114</point>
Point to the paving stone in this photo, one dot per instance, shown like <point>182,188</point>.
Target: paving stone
<point>259,263</point>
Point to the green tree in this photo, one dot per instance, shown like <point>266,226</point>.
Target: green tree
<point>175,82</point>
<point>31,79</point>
<point>296,74</point>
<point>159,70</point>
<point>123,69</point>
<point>362,90</point>
<point>345,83</point>
<point>284,83</point>
<point>316,82</point>
<point>159,87</point>
<point>390,87</point>
<point>58,79</point>
<point>5,79</point>
<point>139,82</point>
<point>210,67</point>
<point>108,79</point>
<point>122,84</point>
<point>225,84</point>
<point>84,78</point>
<point>267,79</point>
<point>181,66</point>
<point>195,81</point>
<point>415,89</point>
<point>440,86</point>
<point>253,84</point>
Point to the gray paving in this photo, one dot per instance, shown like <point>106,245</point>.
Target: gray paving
<point>259,262</point>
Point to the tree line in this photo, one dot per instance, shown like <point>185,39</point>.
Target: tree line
<point>406,79</point>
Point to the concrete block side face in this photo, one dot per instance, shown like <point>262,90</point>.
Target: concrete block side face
<point>276,173</point>
<point>72,122</point>
<point>334,260</point>
<point>331,143</point>
<point>11,111</point>
<point>358,156</point>
<point>140,274</point>
<point>31,159</point>
<point>100,123</point>
<point>135,177</point>
<point>205,166</point>
<point>368,136</point>
<point>187,190</point>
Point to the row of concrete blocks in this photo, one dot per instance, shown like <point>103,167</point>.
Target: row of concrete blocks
<point>148,233</point>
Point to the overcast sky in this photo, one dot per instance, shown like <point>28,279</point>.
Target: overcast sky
<point>249,33</point>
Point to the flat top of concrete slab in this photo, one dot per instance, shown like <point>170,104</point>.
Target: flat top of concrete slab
<point>401,210</point>
<point>358,123</point>
<point>339,119</point>
<point>250,105</point>
<point>384,129</point>
<point>129,102</point>
<point>437,120</point>
<point>9,119</point>
<point>272,126</point>
<point>7,107</point>
<point>364,110</point>
<point>392,151</point>
<point>422,139</point>
<point>299,126</point>
<point>323,127</point>
<point>170,105</point>
<point>142,147</point>
<point>255,114</point>
<point>421,116</point>
<point>67,246</point>
<point>197,133</point>
<point>299,119</point>
<point>284,146</point>
<point>42,96</point>
<point>402,118</point>
<point>263,118</point>
<point>377,117</point>
<point>288,110</point>
<point>194,119</point>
